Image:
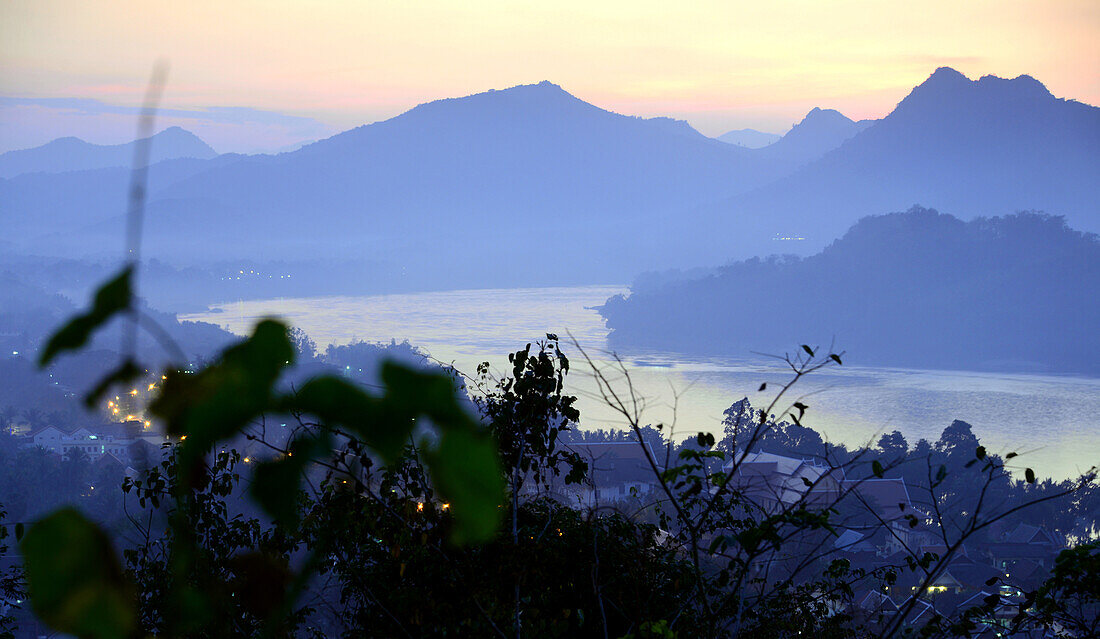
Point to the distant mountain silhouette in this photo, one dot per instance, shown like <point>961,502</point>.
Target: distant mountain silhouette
<point>523,184</point>
<point>531,185</point>
<point>821,131</point>
<point>918,289</point>
<point>74,154</point>
<point>749,138</point>
<point>984,147</point>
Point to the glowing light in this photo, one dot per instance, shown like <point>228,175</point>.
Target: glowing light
<point>420,507</point>
<point>133,392</point>
<point>445,506</point>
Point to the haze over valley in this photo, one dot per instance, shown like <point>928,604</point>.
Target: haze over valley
<point>767,321</point>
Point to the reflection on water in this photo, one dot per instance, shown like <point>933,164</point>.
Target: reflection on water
<point>1051,418</point>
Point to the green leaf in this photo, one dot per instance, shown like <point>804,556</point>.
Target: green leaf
<point>75,583</point>
<point>1011,455</point>
<point>808,350</point>
<point>877,469</point>
<point>220,400</point>
<point>980,452</point>
<point>18,531</point>
<point>466,469</point>
<point>1029,475</point>
<point>275,484</point>
<point>836,358</point>
<point>111,298</point>
<point>383,425</point>
<point>941,474</point>
<point>418,392</point>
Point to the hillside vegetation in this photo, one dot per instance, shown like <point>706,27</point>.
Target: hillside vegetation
<point>919,288</point>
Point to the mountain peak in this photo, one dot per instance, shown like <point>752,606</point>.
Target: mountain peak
<point>544,94</point>
<point>949,89</point>
<point>543,90</point>
<point>1022,85</point>
<point>818,116</point>
<point>946,75</point>
<point>749,138</point>
<point>180,143</point>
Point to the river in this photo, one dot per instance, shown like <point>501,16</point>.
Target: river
<point>1050,420</point>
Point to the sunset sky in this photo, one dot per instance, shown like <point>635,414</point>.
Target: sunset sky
<point>299,70</point>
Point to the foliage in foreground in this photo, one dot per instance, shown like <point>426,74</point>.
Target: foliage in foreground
<point>397,532</point>
<point>75,581</point>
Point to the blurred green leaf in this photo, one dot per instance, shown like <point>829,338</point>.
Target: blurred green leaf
<point>109,299</point>
<point>220,400</point>
<point>466,470</point>
<point>418,392</point>
<point>75,583</point>
<point>1029,475</point>
<point>876,468</point>
<point>275,484</point>
<point>383,425</point>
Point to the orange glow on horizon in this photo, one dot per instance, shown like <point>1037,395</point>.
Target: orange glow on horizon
<point>720,65</point>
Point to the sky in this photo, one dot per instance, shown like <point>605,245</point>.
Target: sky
<point>249,76</point>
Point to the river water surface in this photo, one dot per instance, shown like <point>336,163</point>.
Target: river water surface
<point>1050,420</point>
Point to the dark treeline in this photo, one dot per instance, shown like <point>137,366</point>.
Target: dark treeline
<point>693,549</point>
<point>915,289</point>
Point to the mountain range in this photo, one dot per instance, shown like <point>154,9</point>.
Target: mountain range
<point>74,154</point>
<point>532,186</point>
<point>968,147</point>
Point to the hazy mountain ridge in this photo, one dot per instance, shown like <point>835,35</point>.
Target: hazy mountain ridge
<point>984,147</point>
<point>495,168</point>
<point>821,131</point>
<point>531,186</point>
<point>919,289</point>
<point>50,206</point>
<point>749,138</point>
<point>73,154</point>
